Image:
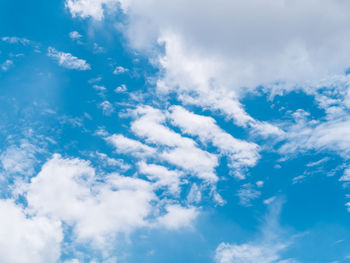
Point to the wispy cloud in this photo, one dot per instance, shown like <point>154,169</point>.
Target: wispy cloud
<point>265,249</point>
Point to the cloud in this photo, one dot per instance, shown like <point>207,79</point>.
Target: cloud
<point>121,88</point>
<point>346,176</point>
<point>6,65</point>
<point>202,71</point>
<point>108,161</point>
<point>107,107</point>
<point>181,151</point>
<point>247,193</point>
<point>309,134</point>
<point>68,190</point>
<point>16,40</point>
<point>240,153</point>
<point>178,217</point>
<point>195,194</point>
<point>162,176</point>
<point>266,249</point>
<point>129,146</point>
<point>75,35</point>
<point>66,60</point>
<point>19,159</point>
<point>120,70</point>
<point>26,239</point>
<point>86,8</point>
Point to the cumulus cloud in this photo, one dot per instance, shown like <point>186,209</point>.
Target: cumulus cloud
<point>75,35</point>
<point>178,217</point>
<point>19,159</point>
<point>120,70</point>
<point>86,8</point>
<point>67,60</point>
<point>121,88</point>
<point>67,190</point>
<point>215,54</point>
<point>26,239</point>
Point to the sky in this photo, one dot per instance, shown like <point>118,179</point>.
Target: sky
<point>174,131</point>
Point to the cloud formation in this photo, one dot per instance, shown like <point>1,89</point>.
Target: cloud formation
<point>67,60</point>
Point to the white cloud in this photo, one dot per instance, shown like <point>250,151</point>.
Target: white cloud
<point>266,249</point>
<point>194,160</point>
<point>75,35</point>
<point>19,159</point>
<point>129,146</point>
<point>346,175</point>
<point>121,88</point>
<point>181,151</point>
<point>99,88</point>
<point>241,153</point>
<point>5,66</point>
<point>27,239</point>
<point>95,80</point>
<point>68,190</point>
<point>120,70</point>
<point>16,40</point>
<point>86,8</point>
<point>108,161</point>
<point>309,134</point>
<point>247,193</point>
<point>198,69</point>
<point>217,53</point>
<point>195,194</point>
<point>316,163</point>
<point>107,108</point>
<point>162,176</point>
<point>98,49</point>
<point>178,217</point>
<point>66,60</point>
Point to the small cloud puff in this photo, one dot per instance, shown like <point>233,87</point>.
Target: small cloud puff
<point>120,70</point>
<point>67,60</point>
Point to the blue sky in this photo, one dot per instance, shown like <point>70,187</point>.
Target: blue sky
<point>163,131</point>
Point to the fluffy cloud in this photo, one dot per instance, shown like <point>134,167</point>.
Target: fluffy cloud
<point>129,146</point>
<point>68,190</point>
<point>162,176</point>
<point>66,60</point>
<point>86,8</point>
<point>26,239</point>
<point>99,207</point>
<point>75,35</point>
<point>181,151</point>
<point>178,217</point>
<point>216,51</point>
<point>19,159</point>
<point>120,70</point>
<point>240,153</point>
